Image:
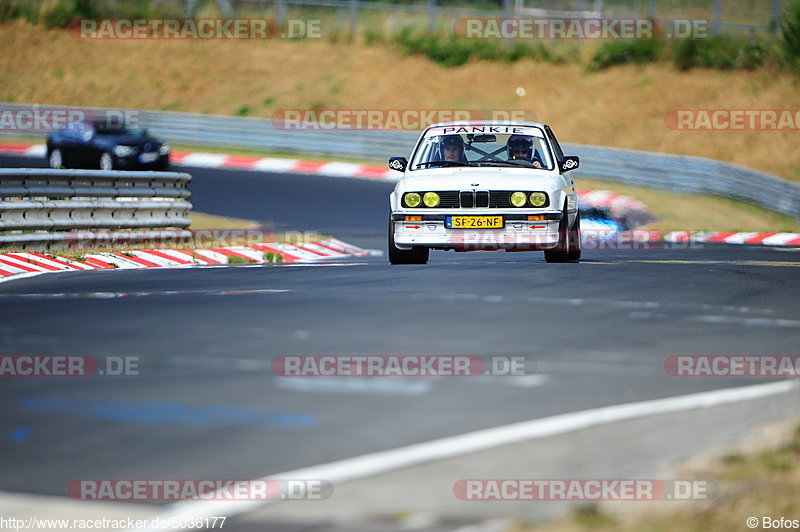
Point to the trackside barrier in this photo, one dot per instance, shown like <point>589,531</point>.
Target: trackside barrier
<point>678,173</point>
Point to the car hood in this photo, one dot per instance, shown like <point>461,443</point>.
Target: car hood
<point>480,178</point>
<point>127,140</point>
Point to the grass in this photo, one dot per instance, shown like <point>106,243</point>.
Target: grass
<point>582,107</point>
<point>202,221</point>
<point>754,483</point>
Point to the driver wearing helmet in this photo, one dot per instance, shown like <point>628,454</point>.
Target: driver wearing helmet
<point>521,148</point>
<point>452,149</point>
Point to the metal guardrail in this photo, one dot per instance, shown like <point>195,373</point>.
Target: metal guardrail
<point>54,200</point>
<point>677,173</point>
<point>689,175</point>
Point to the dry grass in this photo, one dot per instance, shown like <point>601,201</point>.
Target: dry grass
<point>756,483</point>
<point>623,106</point>
<point>202,221</point>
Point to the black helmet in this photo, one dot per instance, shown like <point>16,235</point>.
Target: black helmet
<point>519,142</point>
<point>449,141</point>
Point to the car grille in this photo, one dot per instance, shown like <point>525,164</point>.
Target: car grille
<point>448,200</point>
<point>468,199</point>
<point>500,199</point>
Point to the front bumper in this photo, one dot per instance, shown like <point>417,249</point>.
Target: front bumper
<point>133,161</point>
<point>518,234</point>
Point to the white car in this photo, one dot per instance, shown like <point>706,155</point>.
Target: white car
<point>485,186</point>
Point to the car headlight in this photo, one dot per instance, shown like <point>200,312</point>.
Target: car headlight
<point>123,151</point>
<point>518,199</point>
<point>537,199</point>
<point>412,199</point>
<point>430,199</point>
<point>164,149</point>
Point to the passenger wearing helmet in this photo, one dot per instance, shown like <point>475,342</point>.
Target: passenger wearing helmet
<point>452,149</point>
<point>521,148</point>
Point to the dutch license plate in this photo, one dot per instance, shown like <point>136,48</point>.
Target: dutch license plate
<point>474,222</point>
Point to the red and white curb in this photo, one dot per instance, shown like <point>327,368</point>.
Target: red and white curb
<point>695,237</point>
<point>32,263</point>
<point>246,162</point>
<point>762,239</point>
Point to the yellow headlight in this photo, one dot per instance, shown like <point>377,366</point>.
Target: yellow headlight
<point>412,199</point>
<point>518,199</point>
<point>538,199</point>
<point>430,199</point>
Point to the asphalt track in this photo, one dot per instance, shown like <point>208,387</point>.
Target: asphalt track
<point>206,404</point>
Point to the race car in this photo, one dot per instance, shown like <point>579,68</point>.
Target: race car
<point>485,186</point>
<point>106,145</point>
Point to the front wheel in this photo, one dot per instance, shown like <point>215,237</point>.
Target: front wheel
<point>56,158</point>
<point>415,255</point>
<point>574,249</point>
<point>569,245</point>
<point>106,161</point>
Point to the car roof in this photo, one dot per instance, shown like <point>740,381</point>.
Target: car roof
<point>487,123</point>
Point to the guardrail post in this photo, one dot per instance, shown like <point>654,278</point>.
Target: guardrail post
<point>353,20</point>
<point>280,12</point>
<point>776,17</point>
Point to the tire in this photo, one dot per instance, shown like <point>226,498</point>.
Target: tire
<point>569,245</point>
<point>55,158</point>
<point>415,255</point>
<point>106,161</point>
<point>574,249</point>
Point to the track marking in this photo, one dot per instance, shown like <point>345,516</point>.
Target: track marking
<point>716,319</point>
<point>722,262</point>
<point>116,295</point>
<point>385,461</point>
<point>357,385</point>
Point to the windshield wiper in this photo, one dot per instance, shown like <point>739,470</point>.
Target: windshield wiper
<point>523,164</point>
<point>444,163</point>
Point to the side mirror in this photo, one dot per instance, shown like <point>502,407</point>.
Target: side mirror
<point>570,162</point>
<point>398,163</point>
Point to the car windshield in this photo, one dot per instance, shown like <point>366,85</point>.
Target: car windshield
<point>119,129</point>
<point>502,146</point>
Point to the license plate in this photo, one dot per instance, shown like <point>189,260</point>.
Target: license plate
<point>148,157</point>
<point>474,222</point>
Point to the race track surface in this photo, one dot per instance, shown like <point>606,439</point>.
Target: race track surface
<point>207,405</point>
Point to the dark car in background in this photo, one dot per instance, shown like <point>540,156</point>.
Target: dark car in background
<point>107,146</point>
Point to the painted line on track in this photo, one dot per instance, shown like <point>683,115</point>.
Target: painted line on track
<point>381,462</point>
